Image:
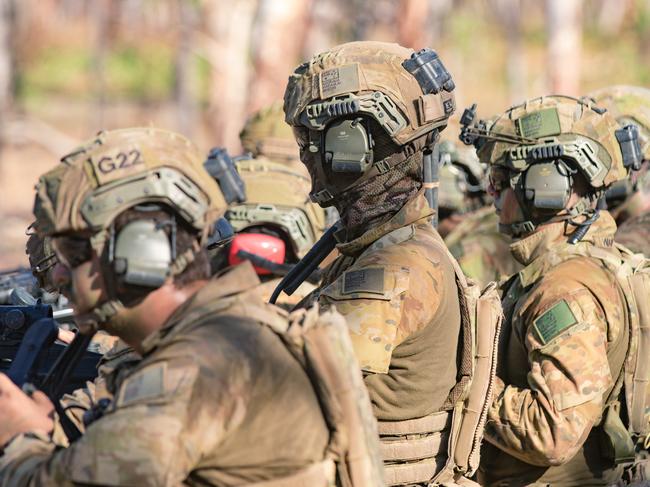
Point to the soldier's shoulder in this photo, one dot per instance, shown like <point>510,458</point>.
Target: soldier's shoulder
<point>409,246</point>
<point>581,285</point>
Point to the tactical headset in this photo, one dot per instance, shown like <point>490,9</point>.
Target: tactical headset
<point>542,171</point>
<point>339,127</point>
<point>141,253</point>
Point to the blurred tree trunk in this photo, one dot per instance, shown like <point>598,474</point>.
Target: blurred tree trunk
<point>101,15</point>
<point>564,27</point>
<point>229,28</point>
<point>278,40</point>
<point>439,11</point>
<point>184,102</point>
<point>508,14</point>
<point>612,14</point>
<point>412,23</point>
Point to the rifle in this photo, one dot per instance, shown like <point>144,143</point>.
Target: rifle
<point>19,277</point>
<point>28,350</point>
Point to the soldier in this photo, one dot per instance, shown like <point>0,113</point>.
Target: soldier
<point>128,213</point>
<point>629,200</point>
<point>267,136</point>
<point>468,226</point>
<point>277,222</point>
<point>558,409</point>
<point>363,114</point>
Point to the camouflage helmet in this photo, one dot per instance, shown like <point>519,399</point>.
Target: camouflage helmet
<point>461,177</point>
<point>353,106</point>
<point>537,148</point>
<point>277,196</point>
<point>267,134</point>
<point>119,169</point>
<point>113,172</point>
<point>630,105</point>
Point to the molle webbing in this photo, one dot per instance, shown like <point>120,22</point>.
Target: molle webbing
<point>414,460</point>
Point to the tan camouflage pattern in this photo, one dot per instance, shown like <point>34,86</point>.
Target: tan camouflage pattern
<point>416,311</point>
<point>266,134</point>
<point>113,366</point>
<point>481,250</point>
<point>285,301</point>
<point>269,183</point>
<point>115,157</point>
<point>635,234</point>
<point>379,68</point>
<point>551,394</point>
<point>191,411</point>
<point>575,118</point>
<point>629,104</point>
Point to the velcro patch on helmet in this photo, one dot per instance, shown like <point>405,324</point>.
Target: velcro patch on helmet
<point>554,321</point>
<point>339,80</point>
<point>541,123</point>
<point>117,164</point>
<point>370,280</point>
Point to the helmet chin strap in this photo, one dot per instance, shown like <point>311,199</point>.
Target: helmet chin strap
<point>528,226</point>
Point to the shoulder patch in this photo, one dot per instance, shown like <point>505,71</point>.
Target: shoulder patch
<point>145,384</point>
<point>369,280</point>
<point>555,320</point>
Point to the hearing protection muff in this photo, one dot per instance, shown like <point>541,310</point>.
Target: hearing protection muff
<point>141,254</point>
<point>348,146</point>
<point>547,185</point>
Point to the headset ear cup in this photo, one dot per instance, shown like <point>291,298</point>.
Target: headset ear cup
<point>142,254</point>
<point>547,185</point>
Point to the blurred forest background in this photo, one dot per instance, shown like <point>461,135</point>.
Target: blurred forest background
<point>69,68</point>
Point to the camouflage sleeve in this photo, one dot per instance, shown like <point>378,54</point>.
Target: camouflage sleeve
<point>383,305</point>
<point>143,441</point>
<point>547,422</point>
<point>118,360</point>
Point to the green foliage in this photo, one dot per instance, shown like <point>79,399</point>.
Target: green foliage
<point>61,69</point>
<point>136,72</point>
<point>143,72</point>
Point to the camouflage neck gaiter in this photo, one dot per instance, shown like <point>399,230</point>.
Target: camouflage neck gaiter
<point>376,200</point>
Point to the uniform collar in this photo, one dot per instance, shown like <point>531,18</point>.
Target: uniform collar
<point>552,235</point>
<point>414,210</point>
<point>229,282</point>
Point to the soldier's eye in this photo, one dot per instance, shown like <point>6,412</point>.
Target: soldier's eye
<point>73,251</point>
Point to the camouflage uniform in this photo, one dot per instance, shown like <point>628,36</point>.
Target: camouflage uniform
<point>398,294</point>
<point>564,315</point>
<point>565,337</point>
<point>194,418</point>
<point>635,234</point>
<point>89,403</point>
<point>481,250</point>
<point>208,403</point>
